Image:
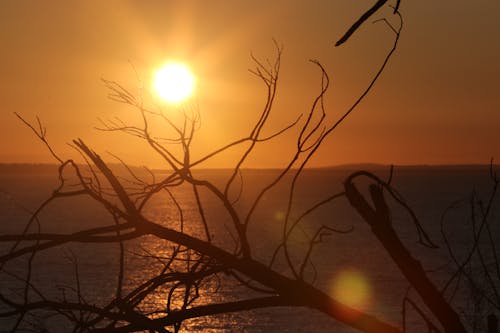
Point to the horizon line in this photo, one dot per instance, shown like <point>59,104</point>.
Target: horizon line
<point>333,166</point>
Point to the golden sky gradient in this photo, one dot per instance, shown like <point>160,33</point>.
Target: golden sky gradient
<point>437,103</point>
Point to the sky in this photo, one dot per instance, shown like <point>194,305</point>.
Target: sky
<point>438,102</point>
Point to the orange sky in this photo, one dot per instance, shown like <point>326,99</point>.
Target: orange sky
<point>437,103</point>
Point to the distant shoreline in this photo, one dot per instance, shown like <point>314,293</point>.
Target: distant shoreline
<point>49,167</point>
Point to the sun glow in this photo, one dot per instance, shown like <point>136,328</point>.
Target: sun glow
<point>174,82</point>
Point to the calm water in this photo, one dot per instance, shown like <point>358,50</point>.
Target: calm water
<point>428,190</point>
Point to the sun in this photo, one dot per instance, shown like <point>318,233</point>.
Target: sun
<point>174,82</point>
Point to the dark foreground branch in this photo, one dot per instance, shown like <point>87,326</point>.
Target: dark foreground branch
<point>297,292</point>
<point>360,21</point>
<point>379,219</point>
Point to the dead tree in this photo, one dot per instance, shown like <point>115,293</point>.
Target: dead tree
<point>189,261</point>
<point>477,270</point>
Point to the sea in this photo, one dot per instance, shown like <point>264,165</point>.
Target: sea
<point>347,261</point>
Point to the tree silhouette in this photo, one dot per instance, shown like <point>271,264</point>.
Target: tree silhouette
<point>198,250</point>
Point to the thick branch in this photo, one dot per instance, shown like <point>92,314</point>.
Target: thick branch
<point>378,218</point>
<point>293,290</point>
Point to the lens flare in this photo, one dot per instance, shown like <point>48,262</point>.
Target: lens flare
<point>352,288</point>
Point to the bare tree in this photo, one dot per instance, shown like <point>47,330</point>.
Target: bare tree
<point>192,256</point>
<point>475,259</point>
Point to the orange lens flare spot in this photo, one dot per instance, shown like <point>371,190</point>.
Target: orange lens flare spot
<point>352,288</point>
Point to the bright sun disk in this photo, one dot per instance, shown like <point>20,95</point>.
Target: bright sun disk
<point>174,82</point>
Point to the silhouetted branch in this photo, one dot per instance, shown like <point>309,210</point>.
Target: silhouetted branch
<point>378,217</point>
<point>476,270</point>
<point>362,19</point>
<point>41,133</point>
